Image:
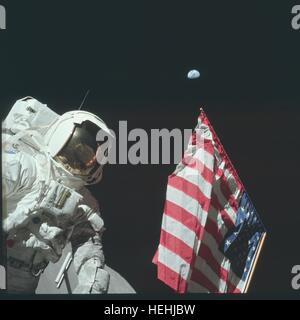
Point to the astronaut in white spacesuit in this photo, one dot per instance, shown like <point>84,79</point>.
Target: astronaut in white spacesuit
<point>47,160</point>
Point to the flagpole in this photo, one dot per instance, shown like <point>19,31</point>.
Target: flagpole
<point>258,251</point>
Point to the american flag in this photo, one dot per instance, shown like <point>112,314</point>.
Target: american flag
<point>211,234</point>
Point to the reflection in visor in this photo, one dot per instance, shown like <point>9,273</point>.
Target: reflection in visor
<point>85,155</point>
<point>79,155</point>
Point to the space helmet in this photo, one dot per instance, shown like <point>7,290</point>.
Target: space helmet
<point>72,142</point>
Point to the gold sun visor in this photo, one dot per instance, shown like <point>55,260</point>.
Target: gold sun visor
<point>79,155</point>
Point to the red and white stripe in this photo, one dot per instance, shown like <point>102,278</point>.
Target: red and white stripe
<point>201,204</point>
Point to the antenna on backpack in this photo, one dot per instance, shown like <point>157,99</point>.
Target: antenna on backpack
<point>84,99</point>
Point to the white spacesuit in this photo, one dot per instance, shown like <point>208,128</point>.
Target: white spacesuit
<point>47,160</point>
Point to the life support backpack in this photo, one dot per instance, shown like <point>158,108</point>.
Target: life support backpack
<point>27,121</point>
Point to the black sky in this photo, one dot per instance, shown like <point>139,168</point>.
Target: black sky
<point>134,56</point>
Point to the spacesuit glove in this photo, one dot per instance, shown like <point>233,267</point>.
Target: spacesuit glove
<point>93,279</point>
<point>18,220</point>
<point>54,200</point>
